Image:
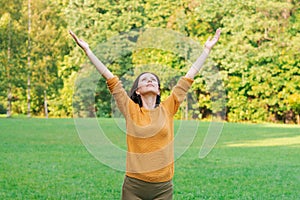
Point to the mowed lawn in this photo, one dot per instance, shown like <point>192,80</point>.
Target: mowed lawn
<point>45,159</point>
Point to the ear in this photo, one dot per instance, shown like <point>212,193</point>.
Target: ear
<point>138,93</point>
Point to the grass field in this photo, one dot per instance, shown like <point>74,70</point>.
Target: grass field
<point>45,159</point>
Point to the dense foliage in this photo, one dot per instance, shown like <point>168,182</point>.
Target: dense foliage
<point>257,60</point>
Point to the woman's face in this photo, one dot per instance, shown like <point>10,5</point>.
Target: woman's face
<point>148,83</point>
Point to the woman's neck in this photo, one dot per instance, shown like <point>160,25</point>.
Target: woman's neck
<point>149,101</point>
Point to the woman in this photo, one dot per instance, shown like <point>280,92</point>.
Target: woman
<point>149,126</point>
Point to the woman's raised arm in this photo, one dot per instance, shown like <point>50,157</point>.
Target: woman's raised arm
<point>103,70</point>
<point>200,61</point>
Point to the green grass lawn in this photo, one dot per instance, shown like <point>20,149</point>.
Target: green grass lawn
<point>45,159</point>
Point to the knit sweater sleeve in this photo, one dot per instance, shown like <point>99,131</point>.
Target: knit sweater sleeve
<point>116,89</point>
<point>178,94</point>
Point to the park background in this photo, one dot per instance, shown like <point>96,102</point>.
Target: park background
<point>256,59</point>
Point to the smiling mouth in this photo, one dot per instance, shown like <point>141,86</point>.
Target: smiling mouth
<point>148,85</point>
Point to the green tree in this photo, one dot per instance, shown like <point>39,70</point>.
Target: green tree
<point>255,36</point>
<point>11,56</point>
<point>48,47</point>
<point>256,60</point>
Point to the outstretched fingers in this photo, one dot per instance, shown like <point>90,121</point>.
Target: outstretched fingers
<point>218,33</point>
<point>73,35</point>
<point>212,41</point>
<point>80,42</point>
<point>216,36</point>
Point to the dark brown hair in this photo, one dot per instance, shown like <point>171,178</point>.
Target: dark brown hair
<point>137,98</point>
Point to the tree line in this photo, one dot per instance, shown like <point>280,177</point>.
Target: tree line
<point>253,74</point>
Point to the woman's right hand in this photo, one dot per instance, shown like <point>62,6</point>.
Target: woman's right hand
<point>80,42</point>
<point>211,42</point>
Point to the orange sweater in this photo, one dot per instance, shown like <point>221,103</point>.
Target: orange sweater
<point>150,133</point>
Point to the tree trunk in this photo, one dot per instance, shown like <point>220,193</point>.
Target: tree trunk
<point>28,95</point>
<point>45,93</point>
<point>9,95</point>
<point>45,104</point>
<point>187,108</point>
<point>28,60</point>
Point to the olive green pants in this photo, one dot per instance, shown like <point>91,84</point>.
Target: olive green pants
<point>134,189</point>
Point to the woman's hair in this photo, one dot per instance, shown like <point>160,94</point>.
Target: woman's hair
<point>137,98</point>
